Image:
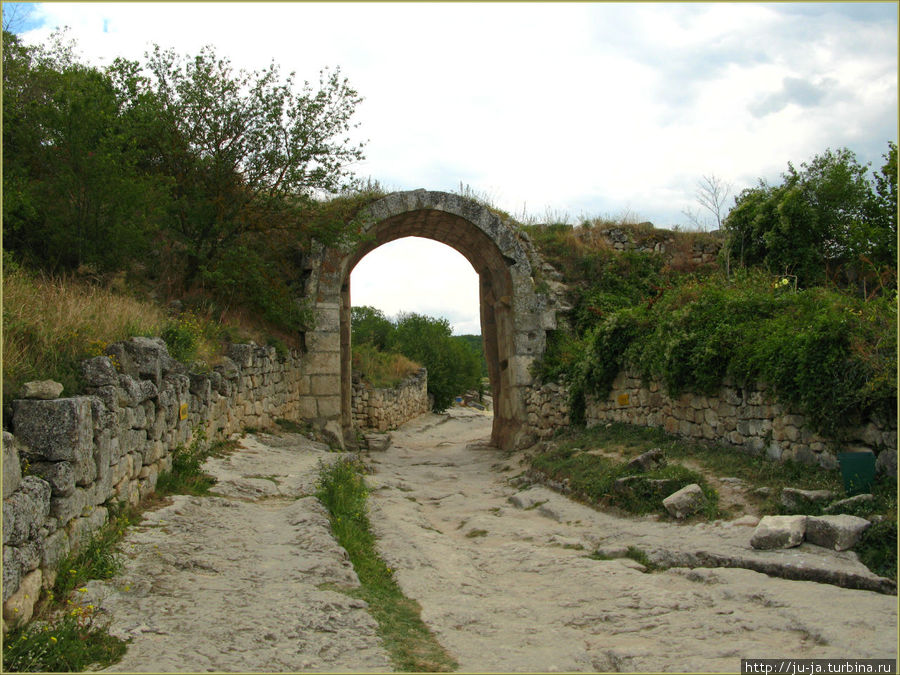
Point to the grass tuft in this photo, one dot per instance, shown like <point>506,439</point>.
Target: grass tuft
<point>410,643</point>
<point>186,477</point>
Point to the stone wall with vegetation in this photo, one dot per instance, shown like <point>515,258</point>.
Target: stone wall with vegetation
<point>388,408</point>
<point>68,460</point>
<point>745,418</point>
<point>548,409</point>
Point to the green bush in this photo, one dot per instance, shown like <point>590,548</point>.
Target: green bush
<point>824,353</point>
<point>454,364</point>
<point>183,337</point>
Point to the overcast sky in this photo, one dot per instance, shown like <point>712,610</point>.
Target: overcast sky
<point>556,108</point>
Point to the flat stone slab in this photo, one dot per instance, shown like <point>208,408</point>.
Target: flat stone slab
<point>795,499</point>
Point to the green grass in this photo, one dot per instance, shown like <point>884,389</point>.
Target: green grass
<point>71,644</point>
<point>591,477</point>
<point>411,645</point>
<point>186,477</point>
<point>96,559</point>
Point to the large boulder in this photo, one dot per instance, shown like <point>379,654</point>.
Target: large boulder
<point>779,532</point>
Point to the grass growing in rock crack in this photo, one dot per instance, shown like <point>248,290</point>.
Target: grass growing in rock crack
<point>186,477</point>
<point>66,636</point>
<point>411,645</point>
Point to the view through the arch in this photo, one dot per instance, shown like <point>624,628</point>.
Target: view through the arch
<point>416,301</point>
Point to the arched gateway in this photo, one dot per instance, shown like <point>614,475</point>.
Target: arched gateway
<point>514,314</point>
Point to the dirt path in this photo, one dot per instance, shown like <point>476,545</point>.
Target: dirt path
<point>511,589</point>
<point>233,583</point>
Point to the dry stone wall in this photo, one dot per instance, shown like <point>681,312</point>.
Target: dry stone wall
<point>745,418</point>
<point>69,459</point>
<point>383,409</point>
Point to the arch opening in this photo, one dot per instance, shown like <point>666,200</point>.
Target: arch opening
<point>494,283</point>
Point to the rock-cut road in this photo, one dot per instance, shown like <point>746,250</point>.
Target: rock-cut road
<point>240,581</point>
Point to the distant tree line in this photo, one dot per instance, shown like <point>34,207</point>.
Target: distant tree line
<point>454,365</point>
<point>201,176</point>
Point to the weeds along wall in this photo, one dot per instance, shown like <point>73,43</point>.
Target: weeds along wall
<point>746,419</point>
<point>388,408</point>
<point>69,459</point>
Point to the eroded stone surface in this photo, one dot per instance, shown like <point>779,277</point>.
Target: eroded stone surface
<point>234,583</point>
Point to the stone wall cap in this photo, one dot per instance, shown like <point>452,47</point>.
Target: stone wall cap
<point>41,389</point>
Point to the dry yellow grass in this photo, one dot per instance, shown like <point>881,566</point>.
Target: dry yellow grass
<point>49,324</point>
<point>382,370</point>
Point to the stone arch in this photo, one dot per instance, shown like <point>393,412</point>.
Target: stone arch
<point>514,315</point>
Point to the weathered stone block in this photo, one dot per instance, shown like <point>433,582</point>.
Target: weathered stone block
<point>19,607</point>
<point>687,501</point>
<point>794,499</point>
<point>71,506</point>
<point>835,532</point>
<point>57,430</point>
<point>12,468</point>
<point>81,529</point>
<point>886,462</point>
<point>328,406</point>
<point>25,509</point>
<point>56,547</point>
<point>99,372</point>
<point>41,389</point>
<point>652,459</point>
<point>849,504</point>
<point>779,532</point>
<point>60,476</point>
<point>227,369</point>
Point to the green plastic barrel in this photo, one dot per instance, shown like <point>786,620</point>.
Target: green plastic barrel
<point>858,471</point>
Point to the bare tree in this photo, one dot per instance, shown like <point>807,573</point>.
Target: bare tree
<point>712,194</point>
<point>15,16</point>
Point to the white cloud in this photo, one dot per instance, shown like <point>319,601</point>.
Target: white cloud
<point>597,107</point>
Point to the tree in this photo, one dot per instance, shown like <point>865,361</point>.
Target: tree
<point>245,149</point>
<point>712,194</point>
<point>825,221</point>
<point>370,326</point>
<point>74,193</point>
<point>453,366</point>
